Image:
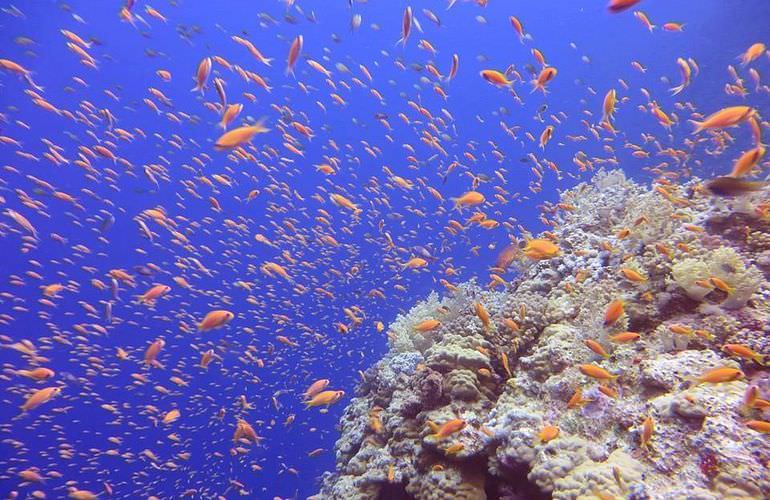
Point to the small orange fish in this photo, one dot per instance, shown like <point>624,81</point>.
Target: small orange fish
<point>495,77</point>
<point>632,275</point>
<point>294,52</point>
<point>325,398</point>
<point>726,117</point>
<point>447,429</point>
<point>625,337</point>
<point>482,313</point>
<point>596,372</point>
<point>547,433</point>
<point>427,325</point>
<point>614,312</point>
<point>744,352</point>
<point>215,319</point>
<point>721,285</point>
<point>546,76</point>
<point>577,400</point>
<point>621,5</point>
<point>202,75</point>
<point>720,375</point>
<point>759,426</point>
<point>752,53</point>
<point>541,249</point>
<point>596,347</point>
<point>648,428</point>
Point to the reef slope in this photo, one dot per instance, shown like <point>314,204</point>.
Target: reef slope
<point>653,432</point>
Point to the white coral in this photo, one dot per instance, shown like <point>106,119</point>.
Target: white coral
<point>723,263</point>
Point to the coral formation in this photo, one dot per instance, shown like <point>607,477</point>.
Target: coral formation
<point>550,397</point>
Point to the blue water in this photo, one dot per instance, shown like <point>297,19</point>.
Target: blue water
<point>715,33</point>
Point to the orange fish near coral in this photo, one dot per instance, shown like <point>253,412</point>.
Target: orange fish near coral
<point>546,434</point>
<point>541,249</point>
<point>648,428</point>
<point>596,372</point>
<point>744,352</point>
<point>447,429</point>
<point>720,375</point>
<point>613,312</point>
<point>427,325</point>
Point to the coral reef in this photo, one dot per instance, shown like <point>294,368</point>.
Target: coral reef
<point>532,392</point>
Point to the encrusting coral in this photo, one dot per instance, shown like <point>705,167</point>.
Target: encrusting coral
<point>541,390</point>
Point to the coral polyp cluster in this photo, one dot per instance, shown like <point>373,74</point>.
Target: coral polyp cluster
<point>539,390</point>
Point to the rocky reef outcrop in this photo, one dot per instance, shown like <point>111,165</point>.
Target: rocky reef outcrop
<point>533,392</point>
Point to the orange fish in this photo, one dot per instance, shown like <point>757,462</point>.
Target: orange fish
<point>614,312</point>
<point>547,433</point>
<point>215,319</point>
<point>752,53</point>
<point>545,76</point>
<point>315,388</point>
<point>596,372</point>
<point>625,337</point>
<point>596,347</point>
<point>748,160</point>
<point>518,27</point>
<point>239,136</point>
<point>541,249</point>
<point>39,397</point>
<point>495,77</point>
<point>427,325</point>
<point>648,428</point>
<point>719,375</point>
<point>447,429</point>
<point>759,426</point>
<point>726,117</point>
<point>325,398</point>
<point>202,75</point>
<point>406,26</point>
<point>744,352</point>
<point>294,52</point>
<point>577,400</point>
<point>621,5</point>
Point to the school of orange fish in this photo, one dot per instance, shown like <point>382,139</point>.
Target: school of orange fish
<point>283,260</point>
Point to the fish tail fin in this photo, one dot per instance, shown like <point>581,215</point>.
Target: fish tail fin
<point>698,126</point>
<point>675,90</point>
<point>434,427</point>
<point>692,381</point>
